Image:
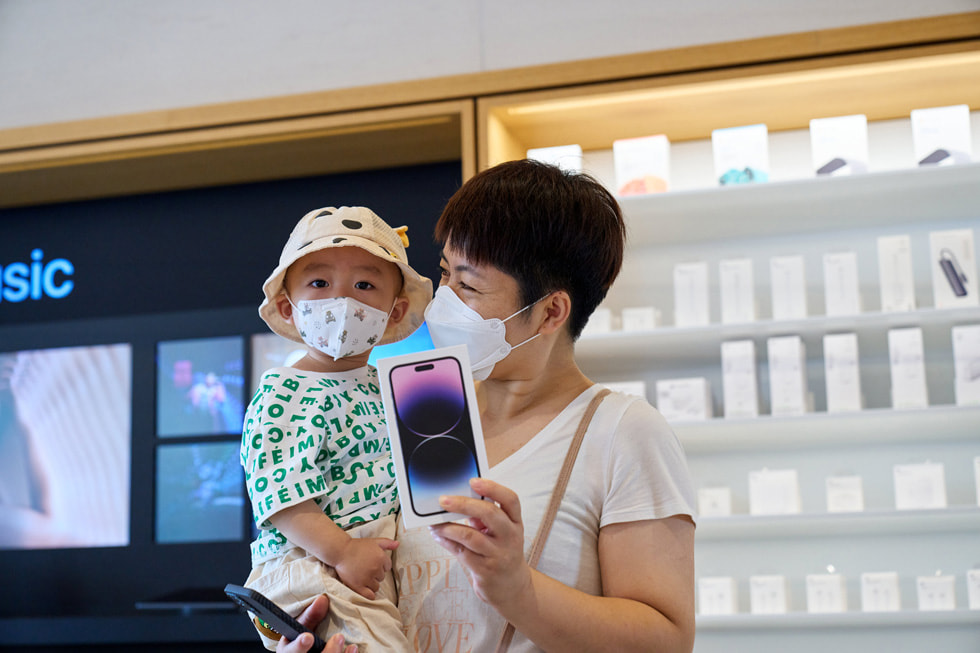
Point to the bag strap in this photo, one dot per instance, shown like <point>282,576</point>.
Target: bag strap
<point>556,496</point>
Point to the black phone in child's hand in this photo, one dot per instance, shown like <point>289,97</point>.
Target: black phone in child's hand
<point>271,614</point>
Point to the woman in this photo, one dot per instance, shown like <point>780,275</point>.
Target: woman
<point>529,252</point>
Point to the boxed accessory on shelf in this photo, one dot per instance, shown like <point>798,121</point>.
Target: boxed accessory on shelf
<point>741,154</point>
<point>966,364</point>
<point>936,592</point>
<point>680,400</point>
<point>768,594</point>
<point>788,387</point>
<point>640,318</point>
<point>642,164</point>
<point>941,135</point>
<point>826,593</point>
<point>839,145</point>
<point>954,268</point>
<point>566,157</point>
<point>774,492</point>
<point>840,278</point>
<point>740,388</point>
<point>842,373</point>
<point>717,595</point>
<point>973,588</point>
<point>880,592</point>
<point>845,493</point>
<point>908,369</point>
<point>715,501</point>
<point>691,294</point>
<point>920,486</point>
<point>895,277</point>
<point>737,285</point>
<point>787,278</point>
<point>600,322</point>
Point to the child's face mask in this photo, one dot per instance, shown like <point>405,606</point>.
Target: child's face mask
<point>339,326</point>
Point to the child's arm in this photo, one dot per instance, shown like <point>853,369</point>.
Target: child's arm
<point>361,563</point>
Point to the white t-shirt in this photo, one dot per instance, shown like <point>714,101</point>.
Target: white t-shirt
<point>631,467</point>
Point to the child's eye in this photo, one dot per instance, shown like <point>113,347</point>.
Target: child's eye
<point>319,283</point>
<point>363,285</point>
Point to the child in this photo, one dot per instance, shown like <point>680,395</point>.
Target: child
<point>315,444</point>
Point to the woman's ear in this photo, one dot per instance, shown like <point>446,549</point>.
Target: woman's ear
<point>557,311</point>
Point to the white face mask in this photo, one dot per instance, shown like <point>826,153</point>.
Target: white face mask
<point>452,322</point>
<point>339,326</point>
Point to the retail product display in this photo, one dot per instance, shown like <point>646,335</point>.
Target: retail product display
<point>788,389</point>
<point>681,400</point>
<point>936,592</point>
<point>895,277</point>
<point>880,592</point>
<point>566,157</point>
<point>788,280</point>
<point>642,164</point>
<point>954,268</point>
<point>640,318</point>
<point>826,593</point>
<point>941,135</point>
<point>966,364</point>
<point>845,494</point>
<point>768,594</point>
<point>839,146</point>
<point>774,492</point>
<point>601,321</point>
<point>840,276</point>
<point>920,486</point>
<point>740,387</point>
<point>638,388</point>
<point>741,154</point>
<point>976,476</point>
<point>973,588</point>
<point>715,501</point>
<point>717,595</point>
<point>842,373</point>
<point>737,285</point>
<point>908,370</point>
<point>691,294</point>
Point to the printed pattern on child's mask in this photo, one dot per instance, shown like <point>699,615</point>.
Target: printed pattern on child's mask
<point>339,326</point>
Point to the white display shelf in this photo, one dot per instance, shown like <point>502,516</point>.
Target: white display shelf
<point>876,427</point>
<point>797,620</point>
<point>805,205</point>
<point>958,519</point>
<point>620,351</point>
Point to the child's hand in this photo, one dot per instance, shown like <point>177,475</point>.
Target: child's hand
<point>364,562</point>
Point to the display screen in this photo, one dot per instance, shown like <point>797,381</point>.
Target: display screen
<point>200,386</point>
<point>65,447</point>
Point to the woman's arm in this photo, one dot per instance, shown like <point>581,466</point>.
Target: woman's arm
<point>647,572</point>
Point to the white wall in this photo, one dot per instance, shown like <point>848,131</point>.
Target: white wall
<point>72,59</point>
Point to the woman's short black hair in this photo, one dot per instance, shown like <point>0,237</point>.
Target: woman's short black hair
<point>548,228</point>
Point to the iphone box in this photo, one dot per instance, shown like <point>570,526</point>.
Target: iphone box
<point>842,373</point>
<point>774,492</point>
<point>954,268</point>
<point>640,318</point>
<point>739,384</point>
<point>966,364</point>
<point>741,154</point>
<point>920,486</point>
<point>715,502</point>
<point>680,400</point>
<point>642,165</point>
<point>788,281</point>
<point>973,588</point>
<point>839,145</point>
<point>717,595</point>
<point>941,135</point>
<point>845,494</point>
<point>434,429</point>
<point>936,592</point>
<point>826,593</point>
<point>691,294</point>
<point>768,594</point>
<point>566,157</point>
<point>840,280</point>
<point>880,592</point>
<point>908,369</point>
<point>737,285</point>
<point>788,388</point>
<point>895,276</point>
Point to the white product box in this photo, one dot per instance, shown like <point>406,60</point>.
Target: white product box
<point>741,154</point>
<point>715,502</point>
<point>684,400</point>
<point>895,276</point>
<point>973,588</point>
<point>691,294</point>
<point>740,386</point>
<point>845,494</point>
<point>788,281</point>
<point>637,388</point>
<point>768,594</point>
<point>640,318</point>
<point>427,394</point>
<point>880,592</point>
<point>842,373</point>
<point>839,145</point>
<point>840,278</point>
<point>642,164</point>
<point>941,135</point>
<point>920,486</point>
<point>737,285</point>
<point>908,369</point>
<point>774,492</point>
<point>788,388</point>
<point>936,593</point>
<point>976,476</point>
<point>566,157</point>
<point>954,268</point>
<point>966,364</point>
<point>717,595</point>
<point>600,322</point>
<point>826,593</point>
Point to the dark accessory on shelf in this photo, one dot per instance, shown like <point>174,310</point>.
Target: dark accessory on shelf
<point>953,271</point>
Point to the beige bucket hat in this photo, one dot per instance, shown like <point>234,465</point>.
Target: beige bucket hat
<point>348,226</point>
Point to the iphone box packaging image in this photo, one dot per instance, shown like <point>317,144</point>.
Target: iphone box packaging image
<point>741,154</point>
<point>434,429</point>
<point>941,135</point>
<point>840,278</point>
<point>566,157</point>
<point>691,306</point>
<point>908,368</point>
<point>740,386</point>
<point>737,291</point>
<point>954,268</point>
<point>642,165</point>
<point>895,276</point>
<point>842,373</point>
<point>787,277</point>
<point>839,146</point>
<point>966,364</point>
